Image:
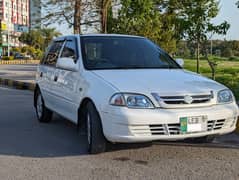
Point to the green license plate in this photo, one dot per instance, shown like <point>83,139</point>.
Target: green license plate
<point>184,124</point>
<point>193,124</point>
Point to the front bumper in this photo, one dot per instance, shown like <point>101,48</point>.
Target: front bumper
<point>121,124</point>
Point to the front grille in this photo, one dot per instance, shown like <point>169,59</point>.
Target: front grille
<point>180,99</point>
<point>157,129</point>
<point>215,124</point>
<point>165,129</point>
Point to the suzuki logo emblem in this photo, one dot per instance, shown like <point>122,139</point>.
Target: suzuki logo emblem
<point>188,99</point>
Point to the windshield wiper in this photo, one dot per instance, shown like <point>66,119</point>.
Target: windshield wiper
<point>130,67</point>
<point>137,67</point>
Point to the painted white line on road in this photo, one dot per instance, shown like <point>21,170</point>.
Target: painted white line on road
<point>6,88</point>
<point>12,90</point>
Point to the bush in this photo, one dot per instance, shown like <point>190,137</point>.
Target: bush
<point>233,58</point>
<point>16,49</point>
<point>236,53</point>
<point>33,52</point>
<point>227,52</point>
<point>6,58</point>
<point>24,49</point>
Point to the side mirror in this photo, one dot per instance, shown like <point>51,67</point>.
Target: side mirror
<point>67,64</point>
<point>180,62</point>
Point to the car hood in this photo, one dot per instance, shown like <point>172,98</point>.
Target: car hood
<point>162,81</point>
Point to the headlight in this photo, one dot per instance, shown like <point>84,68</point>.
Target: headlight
<point>131,101</point>
<point>225,96</point>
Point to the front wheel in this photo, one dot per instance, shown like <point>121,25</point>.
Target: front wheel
<point>44,114</point>
<point>95,137</point>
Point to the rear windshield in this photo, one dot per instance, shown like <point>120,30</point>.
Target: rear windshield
<point>124,53</point>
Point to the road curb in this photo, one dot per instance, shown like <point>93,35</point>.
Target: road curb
<point>17,84</point>
<point>3,62</point>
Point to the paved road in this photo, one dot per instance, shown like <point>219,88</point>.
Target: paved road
<point>29,150</point>
<point>23,72</point>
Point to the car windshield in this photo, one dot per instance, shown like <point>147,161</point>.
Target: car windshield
<point>102,52</point>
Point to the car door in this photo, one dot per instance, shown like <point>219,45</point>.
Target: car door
<point>66,83</point>
<point>47,73</point>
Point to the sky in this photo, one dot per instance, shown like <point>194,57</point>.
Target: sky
<point>228,12</point>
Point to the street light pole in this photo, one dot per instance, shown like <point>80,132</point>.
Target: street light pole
<point>8,31</point>
<point>8,46</point>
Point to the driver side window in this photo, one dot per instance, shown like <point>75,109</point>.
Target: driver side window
<point>53,53</point>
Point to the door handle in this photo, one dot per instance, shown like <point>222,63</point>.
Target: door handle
<point>55,78</point>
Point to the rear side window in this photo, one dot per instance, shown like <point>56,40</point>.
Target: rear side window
<point>70,50</point>
<point>51,56</point>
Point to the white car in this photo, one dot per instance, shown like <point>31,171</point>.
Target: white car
<point>126,89</point>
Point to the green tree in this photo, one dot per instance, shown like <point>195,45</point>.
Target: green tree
<point>68,11</point>
<point>142,17</point>
<point>194,18</point>
<point>235,45</point>
<point>227,52</point>
<point>77,13</point>
<point>39,38</point>
<point>32,38</point>
<point>183,49</point>
<point>48,34</point>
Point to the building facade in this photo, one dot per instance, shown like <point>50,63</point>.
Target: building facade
<point>14,17</point>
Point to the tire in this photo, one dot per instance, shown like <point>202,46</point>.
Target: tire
<point>206,139</point>
<point>44,115</point>
<point>95,137</point>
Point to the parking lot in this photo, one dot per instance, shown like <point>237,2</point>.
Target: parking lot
<point>29,150</point>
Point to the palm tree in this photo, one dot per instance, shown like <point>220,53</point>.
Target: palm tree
<point>48,34</point>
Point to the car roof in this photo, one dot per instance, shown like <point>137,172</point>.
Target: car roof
<point>95,35</point>
<point>109,35</point>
